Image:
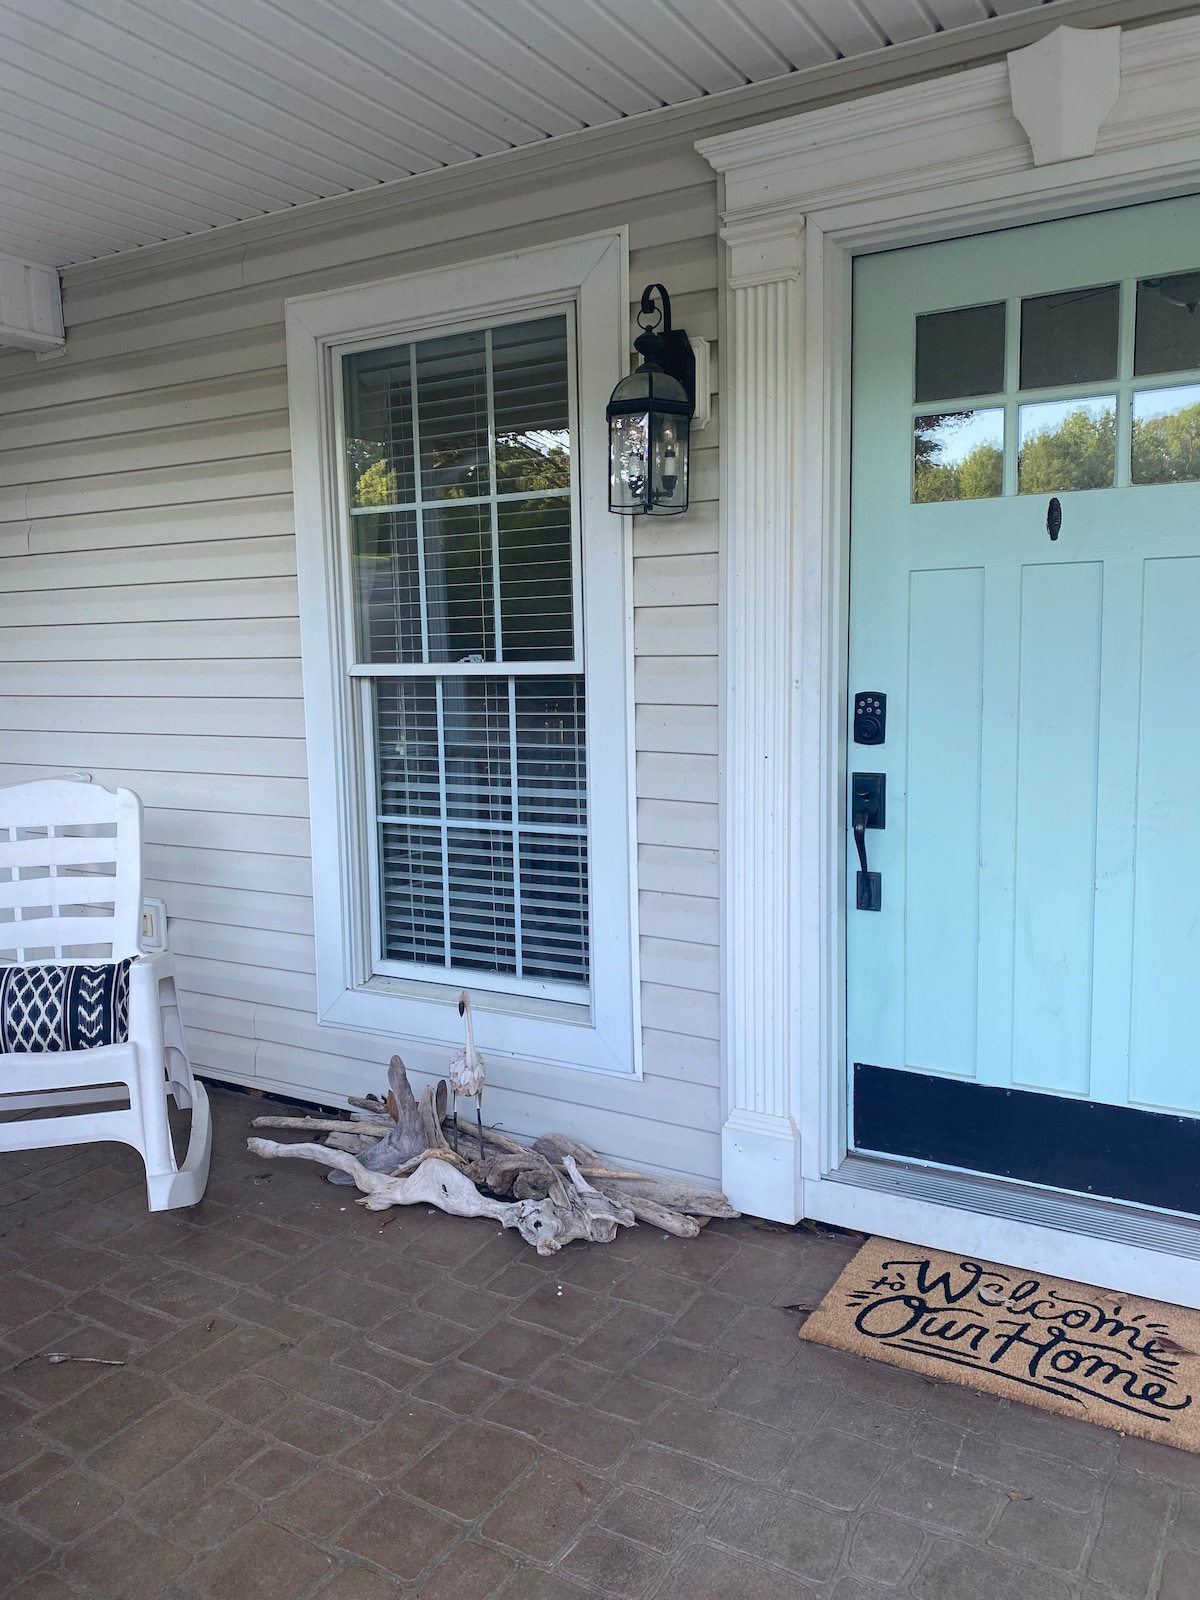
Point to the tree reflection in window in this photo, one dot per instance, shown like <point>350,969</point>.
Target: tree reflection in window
<point>958,455</point>
<point>1166,435</point>
<point>1068,444</point>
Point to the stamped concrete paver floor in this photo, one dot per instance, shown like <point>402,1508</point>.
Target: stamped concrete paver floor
<point>319,1402</point>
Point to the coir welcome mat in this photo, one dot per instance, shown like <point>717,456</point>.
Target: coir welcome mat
<point>1113,1359</point>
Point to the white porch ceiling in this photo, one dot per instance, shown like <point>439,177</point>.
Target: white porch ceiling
<point>126,122</point>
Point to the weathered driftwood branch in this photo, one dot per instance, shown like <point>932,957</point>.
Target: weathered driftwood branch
<point>525,1177</point>
<point>601,1207</point>
<point>450,1156</point>
<point>512,1159</point>
<point>675,1196</point>
<point>365,1128</point>
<point>356,1143</point>
<point>371,1103</point>
<point>406,1137</point>
<point>431,1180</point>
<point>656,1216</point>
<point>554,1146</point>
<point>576,1213</point>
<point>560,1189</point>
<point>668,1192</point>
<point>431,1111</point>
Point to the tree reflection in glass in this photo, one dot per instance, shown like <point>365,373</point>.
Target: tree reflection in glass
<point>1068,444</point>
<point>958,455</point>
<point>1166,435</point>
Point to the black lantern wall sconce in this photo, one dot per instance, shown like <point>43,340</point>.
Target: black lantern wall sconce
<point>650,417</point>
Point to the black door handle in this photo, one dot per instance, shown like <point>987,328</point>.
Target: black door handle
<point>868,791</point>
<point>859,826</point>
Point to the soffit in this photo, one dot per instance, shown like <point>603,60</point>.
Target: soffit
<point>127,122</point>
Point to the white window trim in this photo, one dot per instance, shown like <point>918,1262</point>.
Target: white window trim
<point>604,1035</point>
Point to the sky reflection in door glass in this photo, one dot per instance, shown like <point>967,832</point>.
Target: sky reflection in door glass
<point>1166,435</point>
<point>1068,444</point>
<point>958,455</point>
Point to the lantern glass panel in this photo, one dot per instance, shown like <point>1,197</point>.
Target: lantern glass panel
<point>670,464</point>
<point>629,461</point>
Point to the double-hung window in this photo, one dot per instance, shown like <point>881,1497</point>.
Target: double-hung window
<point>463,540</point>
<point>465,629</point>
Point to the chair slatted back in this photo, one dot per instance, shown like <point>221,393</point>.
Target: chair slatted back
<point>70,872</point>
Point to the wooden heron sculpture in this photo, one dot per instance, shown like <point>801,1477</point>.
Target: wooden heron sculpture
<point>466,1072</point>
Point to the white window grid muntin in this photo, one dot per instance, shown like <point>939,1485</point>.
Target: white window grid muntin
<point>366,777</point>
<point>420,503</point>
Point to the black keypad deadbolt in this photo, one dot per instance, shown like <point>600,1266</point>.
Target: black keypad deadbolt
<point>870,717</point>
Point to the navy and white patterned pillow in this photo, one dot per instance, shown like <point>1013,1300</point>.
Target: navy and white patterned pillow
<point>50,1008</point>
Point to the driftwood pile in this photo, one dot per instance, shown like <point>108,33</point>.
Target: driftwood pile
<point>556,1190</point>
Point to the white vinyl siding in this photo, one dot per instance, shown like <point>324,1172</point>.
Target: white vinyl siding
<point>149,635</point>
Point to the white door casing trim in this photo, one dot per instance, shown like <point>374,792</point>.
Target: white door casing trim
<point>803,196</point>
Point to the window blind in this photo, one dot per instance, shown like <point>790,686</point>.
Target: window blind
<point>458,456</point>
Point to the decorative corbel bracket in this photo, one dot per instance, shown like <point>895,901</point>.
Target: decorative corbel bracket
<point>30,306</point>
<point>1063,87</point>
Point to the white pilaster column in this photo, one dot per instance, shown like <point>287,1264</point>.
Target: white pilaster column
<point>762,394</point>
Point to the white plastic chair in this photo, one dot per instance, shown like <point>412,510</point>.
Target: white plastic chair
<point>71,895</point>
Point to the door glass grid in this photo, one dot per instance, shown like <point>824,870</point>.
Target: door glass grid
<point>1114,425</point>
<point>464,591</point>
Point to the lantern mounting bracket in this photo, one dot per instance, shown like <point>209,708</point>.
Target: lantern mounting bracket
<point>668,347</point>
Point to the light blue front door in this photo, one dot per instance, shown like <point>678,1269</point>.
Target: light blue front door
<point>1025,591</point>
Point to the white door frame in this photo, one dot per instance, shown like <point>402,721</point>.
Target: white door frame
<point>802,197</point>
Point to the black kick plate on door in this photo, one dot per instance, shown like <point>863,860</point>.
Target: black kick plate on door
<point>1112,1152</point>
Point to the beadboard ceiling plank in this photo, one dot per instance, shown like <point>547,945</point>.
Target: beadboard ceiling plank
<point>670,34</point>
<point>618,28</point>
<point>301,78</point>
<point>376,38</point>
<point>124,123</point>
<point>108,46</point>
<point>848,24</point>
<point>958,13</point>
<point>901,20</point>
<point>573,44</point>
<point>460,40</point>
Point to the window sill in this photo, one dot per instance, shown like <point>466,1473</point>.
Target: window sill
<point>522,1028</point>
<point>482,1000</point>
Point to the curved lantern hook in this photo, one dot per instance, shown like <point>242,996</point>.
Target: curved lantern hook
<point>661,312</point>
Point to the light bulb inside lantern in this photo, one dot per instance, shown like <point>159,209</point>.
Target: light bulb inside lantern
<point>670,459</point>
